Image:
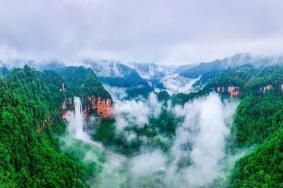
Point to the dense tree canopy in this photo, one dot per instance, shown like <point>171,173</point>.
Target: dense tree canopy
<point>30,122</point>
<point>258,122</point>
<point>31,157</point>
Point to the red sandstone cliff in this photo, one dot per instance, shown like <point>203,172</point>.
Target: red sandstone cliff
<point>102,107</point>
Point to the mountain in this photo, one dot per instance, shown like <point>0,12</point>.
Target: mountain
<point>148,71</point>
<point>143,138</point>
<point>257,123</point>
<point>208,70</point>
<point>36,64</point>
<point>118,75</point>
<point>29,126</point>
<point>81,82</point>
<point>181,68</point>
<point>4,71</point>
<point>151,72</point>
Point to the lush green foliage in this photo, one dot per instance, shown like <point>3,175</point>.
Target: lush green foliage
<point>270,75</point>
<point>30,158</point>
<point>203,68</point>
<point>124,77</point>
<point>158,132</point>
<point>257,117</point>
<point>82,82</point>
<point>246,77</point>
<point>258,122</point>
<point>233,77</point>
<point>4,71</point>
<point>263,167</point>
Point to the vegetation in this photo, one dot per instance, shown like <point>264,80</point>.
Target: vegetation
<point>257,117</point>
<point>258,122</point>
<point>263,167</point>
<point>158,133</point>
<point>82,82</point>
<point>30,108</point>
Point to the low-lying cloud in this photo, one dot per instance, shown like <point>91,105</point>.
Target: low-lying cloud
<point>135,112</point>
<point>195,158</point>
<point>177,84</point>
<point>205,127</point>
<point>197,155</point>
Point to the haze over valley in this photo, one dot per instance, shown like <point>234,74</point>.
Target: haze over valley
<point>141,94</point>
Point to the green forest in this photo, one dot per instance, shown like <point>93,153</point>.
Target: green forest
<point>31,124</point>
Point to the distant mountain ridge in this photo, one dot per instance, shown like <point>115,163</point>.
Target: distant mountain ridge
<point>116,74</point>
<point>139,79</point>
<point>197,70</point>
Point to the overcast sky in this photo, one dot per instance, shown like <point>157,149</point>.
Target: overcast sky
<point>163,31</point>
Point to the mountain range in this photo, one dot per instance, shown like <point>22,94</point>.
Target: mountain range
<point>139,79</point>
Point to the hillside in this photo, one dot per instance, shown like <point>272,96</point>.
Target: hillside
<point>210,70</point>
<point>38,149</point>
<point>30,156</point>
<point>31,122</point>
<point>257,122</point>
<point>117,75</point>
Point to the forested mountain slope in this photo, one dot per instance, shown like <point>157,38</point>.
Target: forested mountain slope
<point>118,75</point>
<point>30,122</point>
<point>257,123</point>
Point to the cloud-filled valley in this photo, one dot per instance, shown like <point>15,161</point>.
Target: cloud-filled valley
<point>141,94</point>
<point>195,156</point>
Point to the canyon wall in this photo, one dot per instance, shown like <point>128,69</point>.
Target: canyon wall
<point>96,106</point>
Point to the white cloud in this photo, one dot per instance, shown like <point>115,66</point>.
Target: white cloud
<point>181,31</point>
<point>205,128</point>
<point>177,84</point>
<point>147,163</point>
<point>135,112</point>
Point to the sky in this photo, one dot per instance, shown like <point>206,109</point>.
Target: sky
<point>161,31</point>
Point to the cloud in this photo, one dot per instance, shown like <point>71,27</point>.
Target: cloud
<point>197,156</point>
<point>200,141</point>
<point>130,113</point>
<point>181,31</point>
<point>195,159</point>
<point>206,127</point>
<point>177,84</point>
<point>147,163</point>
<point>118,93</point>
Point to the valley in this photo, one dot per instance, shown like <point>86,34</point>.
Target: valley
<point>109,124</point>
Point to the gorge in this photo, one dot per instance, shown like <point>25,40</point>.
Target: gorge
<point>206,120</point>
<point>77,134</point>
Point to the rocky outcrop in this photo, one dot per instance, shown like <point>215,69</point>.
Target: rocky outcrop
<point>101,106</point>
<point>46,121</point>
<point>220,89</point>
<point>97,106</point>
<point>67,105</point>
<point>62,89</point>
<point>266,88</point>
<point>233,91</point>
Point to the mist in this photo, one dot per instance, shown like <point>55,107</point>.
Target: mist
<point>177,84</point>
<point>200,141</point>
<point>76,122</point>
<point>196,157</point>
<point>135,112</point>
<point>206,126</point>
